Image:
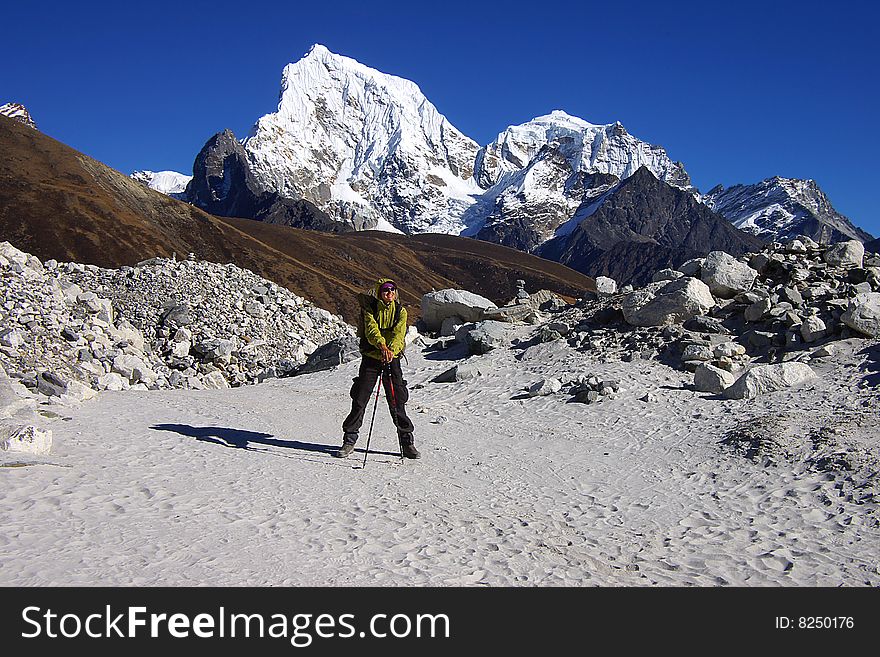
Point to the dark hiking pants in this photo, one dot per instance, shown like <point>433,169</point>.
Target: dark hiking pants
<point>364,387</point>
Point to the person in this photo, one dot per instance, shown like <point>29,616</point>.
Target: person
<point>382,330</point>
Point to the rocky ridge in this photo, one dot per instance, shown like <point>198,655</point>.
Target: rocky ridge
<point>789,302</point>
<point>781,209</point>
<point>68,330</point>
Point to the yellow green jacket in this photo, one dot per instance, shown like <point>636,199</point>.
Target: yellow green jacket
<point>378,327</point>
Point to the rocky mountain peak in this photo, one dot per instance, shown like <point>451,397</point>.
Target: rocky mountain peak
<point>364,146</point>
<point>783,208</point>
<point>19,113</point>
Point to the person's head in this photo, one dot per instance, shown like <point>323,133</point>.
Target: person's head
<point>388,291</point>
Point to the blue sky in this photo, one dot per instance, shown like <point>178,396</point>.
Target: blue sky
<point>738,92</point>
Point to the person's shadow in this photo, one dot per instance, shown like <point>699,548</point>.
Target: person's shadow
<point>241,439</point>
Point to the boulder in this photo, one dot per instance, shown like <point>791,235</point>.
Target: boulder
<point>728,350</point>
<point>437,306</point>
<point>756,311</point>
<point>14,398</point>
<point>12,338</point>
<point>340,350</point>
<point>545,387</point>
<point>813,328</point>
<point>669,302</point>
<point>726,276</point>
<point>111,381</point>
<point>215,349</point>
<point>666,275</point>
<point>215,380</point>
<point>460,372</point>
<point>55,385</point>
<point>517,313</point>
<point>176,315</point>
<point>863,314</point>
<point>691,267</point>
<point>134,369</point>
<point>769,378</point>
<point>844,254</point>
<point>702,324</point>
<point>696,352</point>
<point>605,286</point>
<point>125,331</point>
<point>708,378</point>
<point>486,336</point>
<point>450,325</point>
<point>25,438</point>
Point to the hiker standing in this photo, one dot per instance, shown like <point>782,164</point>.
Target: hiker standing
<point>382,330</point>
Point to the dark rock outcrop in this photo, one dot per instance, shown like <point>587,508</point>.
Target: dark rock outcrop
<point>224,185</point>
<point>642,226</point>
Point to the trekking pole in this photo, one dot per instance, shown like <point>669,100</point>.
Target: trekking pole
<point>393,405</point>
<point>370,434</point>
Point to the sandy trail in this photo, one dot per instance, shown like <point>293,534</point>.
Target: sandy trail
<point>239,487</point>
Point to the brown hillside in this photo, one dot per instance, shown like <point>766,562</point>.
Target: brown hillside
<point>58,203</point>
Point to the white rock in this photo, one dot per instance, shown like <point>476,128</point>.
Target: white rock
<point>437,306</point>
<point>27,439</point>
<point>863,314</point>
<point>823,351</point>
<point>111,381</point>
<point>667,302</point>
<point>460,372</point>
<point>13,255</point>
<point>180,349</point>
<point>845,253</point>
<point>12,338</point>
<point>134,369</point>
<point>215,380</point>
<point>769,378</point>
<point>125,331</point>
<point>605,286</point>
<point>708,378</point>
<point>726,276</point>
<point>545,387</point>
<point>796,246</point>
<point>813,328</point>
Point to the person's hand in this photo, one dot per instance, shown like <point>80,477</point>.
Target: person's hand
<point>387,354</point>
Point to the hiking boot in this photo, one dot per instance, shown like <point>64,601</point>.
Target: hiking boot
<point>345,450</point>
<point>409,451</point>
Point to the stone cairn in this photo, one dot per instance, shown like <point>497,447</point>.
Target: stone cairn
<point>69,330</point>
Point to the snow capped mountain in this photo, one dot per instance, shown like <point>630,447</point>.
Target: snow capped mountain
<point>170,183</point>
<point>363,146</point>
<point>586,147</point>
<point>19,113</point>
<point>350,147</point>
<point>783,208</point>
<point>539,173</point>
